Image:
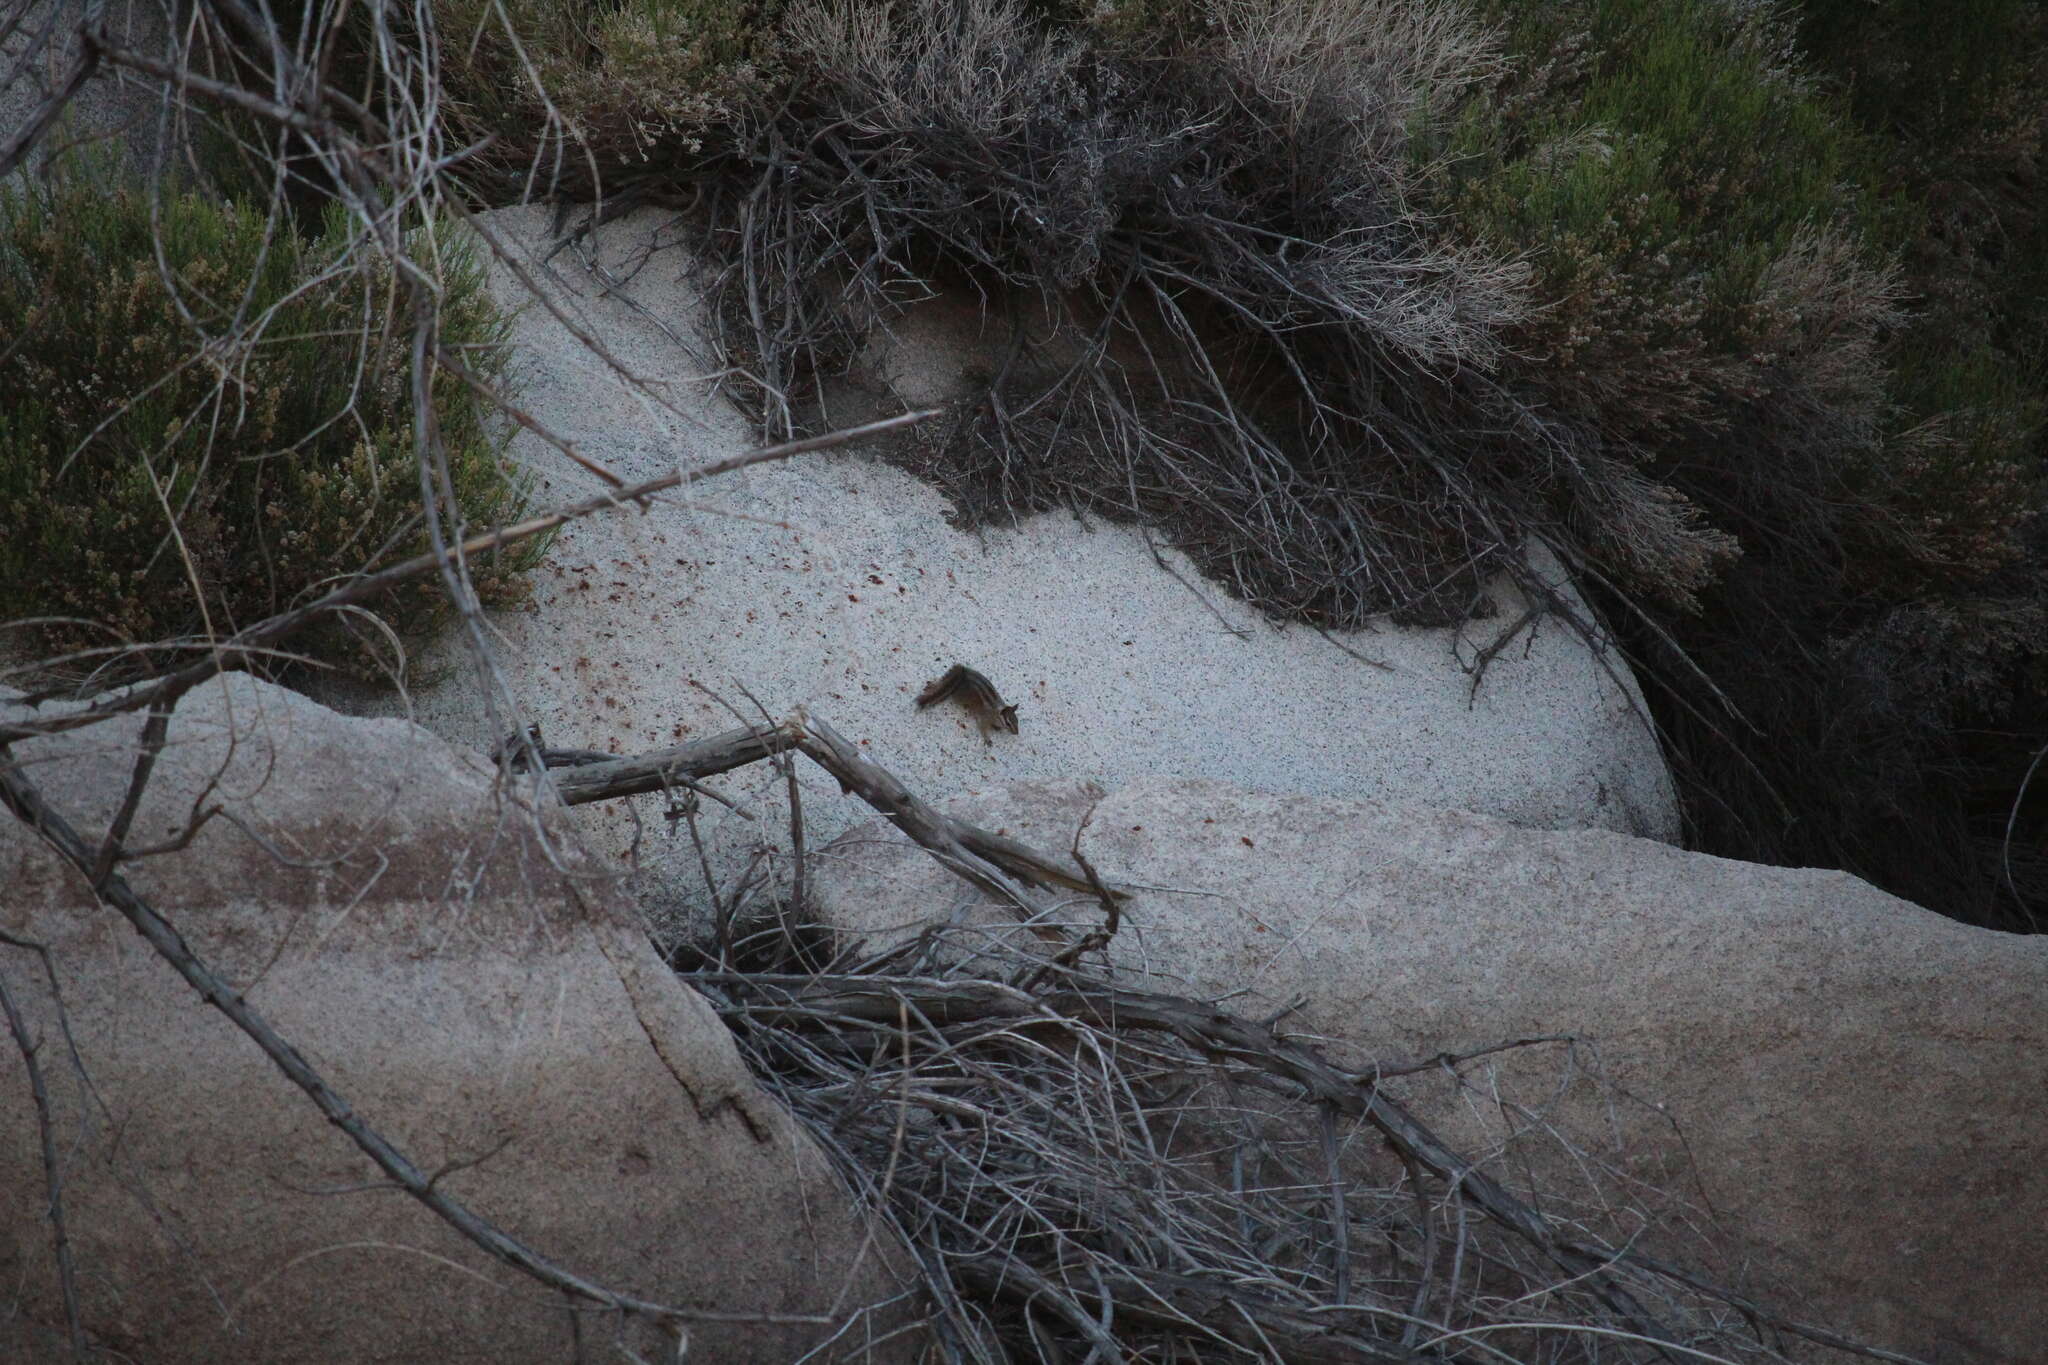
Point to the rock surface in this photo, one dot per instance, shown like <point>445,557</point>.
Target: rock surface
<point>1857,1082</point>
<point>115,105</point>
<point>482,1000</point>
<point>834,582</point>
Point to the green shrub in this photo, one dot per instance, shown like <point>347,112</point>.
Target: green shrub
<point>209,421</point>
<point>1755,305</point>
<point>594,94</point>
<point>1714,272</point>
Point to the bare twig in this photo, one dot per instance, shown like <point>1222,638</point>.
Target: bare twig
<point>150,745</point>
<point>53,1170</point>
<point>1340,1221</point>
<point>664,768</point>
<point>935,832</point>
<point>91,27</point>
<point>798,905</point>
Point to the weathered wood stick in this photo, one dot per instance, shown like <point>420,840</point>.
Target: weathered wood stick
<point>983,857</point>
<point>937,834</point>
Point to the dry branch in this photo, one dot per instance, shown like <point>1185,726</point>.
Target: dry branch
<point>983,857</point>
<point>83,62</point>
<point>787,1006</point>
<point>1214,1034</point>
<point>795,1003</point>
<point>1244,1317</point>
<point>53,1169</point>
<point>934,832</point>
<point>977,1041</point>
<point>661,769</point>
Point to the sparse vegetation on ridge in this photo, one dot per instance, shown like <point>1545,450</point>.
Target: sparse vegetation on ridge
<point>1353,297</point>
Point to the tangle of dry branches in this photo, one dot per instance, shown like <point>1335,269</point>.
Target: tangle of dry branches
<point>1067,1157</point>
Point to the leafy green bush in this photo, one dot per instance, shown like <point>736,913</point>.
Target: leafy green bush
<point>1700,242</point>
<point>208,419</point>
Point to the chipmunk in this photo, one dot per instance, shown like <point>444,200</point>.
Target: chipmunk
<point>977,694</point>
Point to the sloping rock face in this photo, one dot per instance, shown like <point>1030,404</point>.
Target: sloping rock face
<point>459,975</point>
<point>834,582</point>
<point>1845,1087</point>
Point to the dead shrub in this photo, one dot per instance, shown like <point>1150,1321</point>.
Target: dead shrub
<point>1084,1170</point>
<point>1253,337</point>
<point>582,98</point>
